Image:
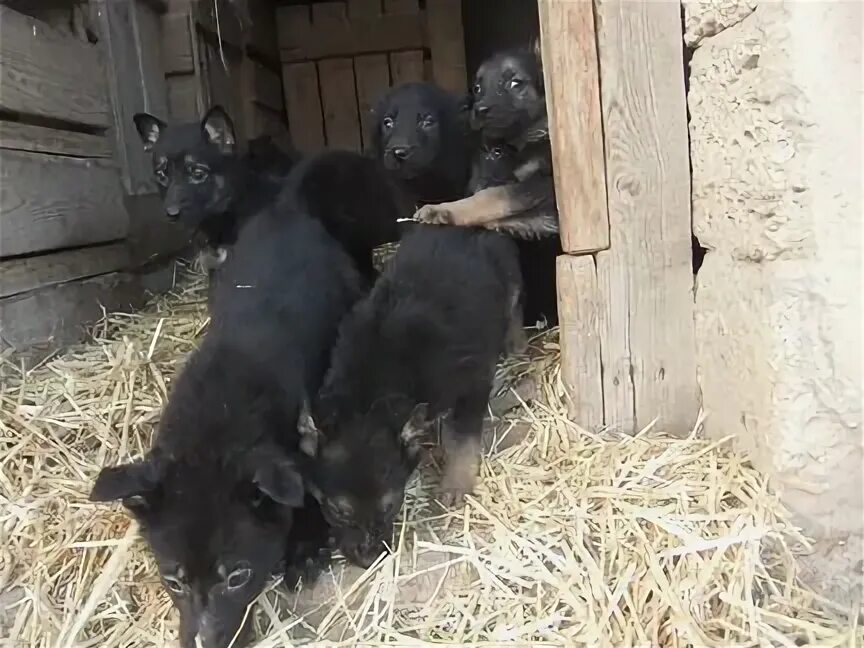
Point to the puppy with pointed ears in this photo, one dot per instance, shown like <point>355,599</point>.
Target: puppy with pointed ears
<point>509,111</point>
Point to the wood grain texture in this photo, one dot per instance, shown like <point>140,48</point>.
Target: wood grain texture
<point>332,30</point>
<point>372,73</point>
<point>262,85</point>
<point>50,74</point>
<point>579,311</point>
<point>130,34</point>
<point>262,40</point>
<point>51,202</point>
<point>26,137</point>
<point>177,33</point>
<point>645,278</point>
<point>56,316</point>
<point>447,43</point>
<point>184,97</point>
<point>303,103</point>
<point>230,27</point>
<point>224,82</point>
<point>406,67</point>
<point>29,273</point>
<point>341,122</point>
<point>573,102</point>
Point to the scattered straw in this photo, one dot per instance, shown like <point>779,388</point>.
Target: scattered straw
<point>572,538</point>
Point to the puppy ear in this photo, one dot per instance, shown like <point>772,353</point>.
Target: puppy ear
<point>136,484</point>
<point>277,476</point>
<point>537,53</point>
<point>218,129</point>
<point>149,129</point>
<point>309,433</point>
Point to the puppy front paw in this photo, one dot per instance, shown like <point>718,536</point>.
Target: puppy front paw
<point>434,215</point>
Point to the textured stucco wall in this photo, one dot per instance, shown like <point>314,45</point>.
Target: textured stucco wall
<point>776,143</point>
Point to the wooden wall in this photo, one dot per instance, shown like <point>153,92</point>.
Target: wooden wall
<point>226,61</point>
<point>619,136</point>
<point>67,167</point>
<point>338,58</point>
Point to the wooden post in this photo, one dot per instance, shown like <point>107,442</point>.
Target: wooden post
<point>579,310</point>
<point>131,31</point>
<point>645,278</point>
<point>573,102</point>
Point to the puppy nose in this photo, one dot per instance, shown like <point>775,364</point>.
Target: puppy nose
<point>401,152</point>
<point>173,211</point>
<point>480,110</point>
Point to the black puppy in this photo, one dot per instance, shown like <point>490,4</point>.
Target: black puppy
<point>217,494</point>
<point>509,109</point>
<point>420,134</point>
<point>423,345</point>
<point>353,197</point>
<point>205,183</point>
<point>496,164</point>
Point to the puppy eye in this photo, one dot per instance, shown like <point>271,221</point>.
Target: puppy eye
<point>513,84</point>
<point>238,578</point>
<point>161,176</point>
<point>198,174</point>
<point>174,584</point>
<point>388,122</point>
<point>427,122</point>
<point>496,153</point>
<point>477,89</point>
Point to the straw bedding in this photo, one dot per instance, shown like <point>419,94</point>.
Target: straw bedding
<point>572,538</point>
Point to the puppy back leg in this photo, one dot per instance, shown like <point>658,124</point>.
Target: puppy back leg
<point>461,435</point>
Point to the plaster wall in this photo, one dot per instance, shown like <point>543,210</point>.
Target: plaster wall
<point>776,145</point>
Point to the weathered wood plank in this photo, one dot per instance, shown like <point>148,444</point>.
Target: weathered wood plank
<point>57,316</point>
<point>51,202</point>
<point>177,33</point>
<point>341,122</point>
<point>330,32</point>
<point>224,82</point>
<point>406,67</point>
<point>26,137</point>
<point>29,273</point>
<point>50,74</point>
<point>131,34</point>
<point>303,103</point>
<point>373,80</point>
<point>573,100</point>
<point>184,98</point>
<point>401,6</point>
<point>447,43</point>
<point>263,39</point>
<point>645,277</point>
<point>262,85</point>
<point>230,27</point>
<point>578,308</point>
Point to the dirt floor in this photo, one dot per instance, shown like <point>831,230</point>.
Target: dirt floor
<point>573,537</point>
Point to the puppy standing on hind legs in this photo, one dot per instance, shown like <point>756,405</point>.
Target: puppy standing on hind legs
<point>509,109</point>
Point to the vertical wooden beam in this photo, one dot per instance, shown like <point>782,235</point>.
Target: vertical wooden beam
<point>446,40</point>
<point>645,278</point>
<point>573,101</point>
<point>579,311</point>
<point>373,79</point>
<point>131,31</point>
<point>406,67</point>
<point>339,99</point>
<point>303,103</point>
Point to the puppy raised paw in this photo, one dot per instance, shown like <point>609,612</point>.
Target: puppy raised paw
<point>434,215</point>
